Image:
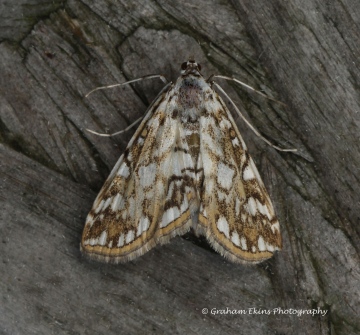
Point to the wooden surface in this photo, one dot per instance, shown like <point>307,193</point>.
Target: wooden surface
<point>304,53</point>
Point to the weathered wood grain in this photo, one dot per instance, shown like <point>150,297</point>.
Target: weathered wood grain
<point>52,53</point>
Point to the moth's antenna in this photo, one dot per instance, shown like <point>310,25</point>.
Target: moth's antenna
<point>249,124</point>
<point>152,76</point>
<point>245,85</point>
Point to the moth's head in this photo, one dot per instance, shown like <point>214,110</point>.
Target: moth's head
<point>190,67</point>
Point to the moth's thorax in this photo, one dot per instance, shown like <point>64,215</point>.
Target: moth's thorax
<point>191,94</point>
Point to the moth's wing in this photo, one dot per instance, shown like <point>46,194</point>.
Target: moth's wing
<point>146,200</point>
<point>236,213</point>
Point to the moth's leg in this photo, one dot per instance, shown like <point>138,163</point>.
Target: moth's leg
<point>249,124</point>
<point>118,132</point>
<point>122,84</point>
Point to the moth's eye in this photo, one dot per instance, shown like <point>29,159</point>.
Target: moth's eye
<point>184,66</point>
<point>199,67</point>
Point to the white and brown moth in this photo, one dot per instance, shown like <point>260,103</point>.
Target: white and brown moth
<point>186,166</point>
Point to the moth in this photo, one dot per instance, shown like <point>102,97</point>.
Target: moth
<point>185,167</point>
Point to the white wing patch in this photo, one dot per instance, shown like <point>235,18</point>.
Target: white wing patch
<point>143,226</point>
<point>248,174</point>
<point>147,175</point>
<point>225,175</point>
<point>223,226</point>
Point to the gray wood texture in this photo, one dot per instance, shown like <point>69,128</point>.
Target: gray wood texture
<point>304,53</point>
